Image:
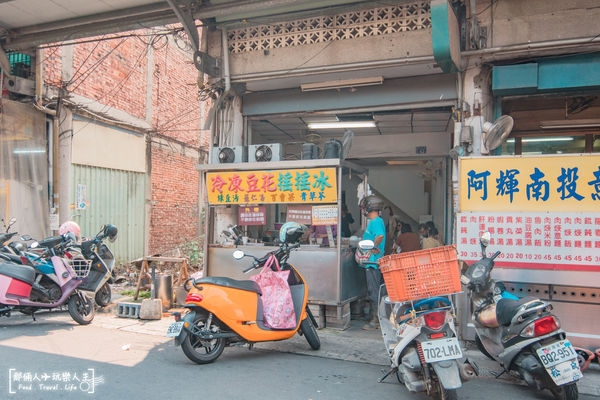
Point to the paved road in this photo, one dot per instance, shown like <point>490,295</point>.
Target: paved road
<point>131,365</point>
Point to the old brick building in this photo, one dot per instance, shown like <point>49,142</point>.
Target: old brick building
<point>126,95</point>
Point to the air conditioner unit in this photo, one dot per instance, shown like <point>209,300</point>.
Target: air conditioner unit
<point>265,152</point>
<point>229,154</point>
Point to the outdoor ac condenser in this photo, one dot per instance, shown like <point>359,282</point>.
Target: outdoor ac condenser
<point>228,154</point>
<point>265,152</point>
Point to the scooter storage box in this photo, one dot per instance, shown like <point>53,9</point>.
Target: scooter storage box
<point>20,279</point>
<point>421,274</point>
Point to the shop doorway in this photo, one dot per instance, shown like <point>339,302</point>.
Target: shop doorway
<point>402,154</point>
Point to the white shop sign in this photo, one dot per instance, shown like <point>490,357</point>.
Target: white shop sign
<point>550,241</point>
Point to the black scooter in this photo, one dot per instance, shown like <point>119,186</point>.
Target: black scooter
<point>520,334</point>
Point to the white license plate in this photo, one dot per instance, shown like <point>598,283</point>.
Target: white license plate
<point>174,329</point>
<point>556,353</point>
<point>441,350</point>
<point>565,372</point>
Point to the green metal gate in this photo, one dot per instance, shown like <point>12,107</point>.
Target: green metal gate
<point>109,196</point>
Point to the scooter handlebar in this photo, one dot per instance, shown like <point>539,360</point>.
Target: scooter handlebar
<point>496,254</point>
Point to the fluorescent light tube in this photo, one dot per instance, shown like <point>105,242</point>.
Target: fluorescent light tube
<point>340,84</point>
<point>341,125</point>
<point>29,151</point>
<point>550,139</point>
<point>570,124</point>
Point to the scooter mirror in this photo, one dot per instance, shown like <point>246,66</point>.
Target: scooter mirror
<point>485,239</point>
<point>12,221</point>
<point>366,244</point>
<point>238,254</point>
<point>26,238</point>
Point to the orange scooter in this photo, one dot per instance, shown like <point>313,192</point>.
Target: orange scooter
<point>225,311</point>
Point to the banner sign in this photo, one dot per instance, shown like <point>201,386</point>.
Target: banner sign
<point>310,186</point>
<point>255,215</point>
<point>324,215</point>
<point>553,183</point>
<point>300,214</point>
<point>550,241</point>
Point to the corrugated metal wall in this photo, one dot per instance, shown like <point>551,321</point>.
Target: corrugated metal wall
<point>115,197</point>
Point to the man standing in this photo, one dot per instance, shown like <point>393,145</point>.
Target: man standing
<point>370,207</point>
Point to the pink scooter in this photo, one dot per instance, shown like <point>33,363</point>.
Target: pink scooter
<point>17,280</point>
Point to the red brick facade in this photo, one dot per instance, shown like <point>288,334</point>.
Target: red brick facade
<point>115,73</point>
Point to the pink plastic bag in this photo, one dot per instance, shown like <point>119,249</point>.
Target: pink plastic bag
<point>278,307</point>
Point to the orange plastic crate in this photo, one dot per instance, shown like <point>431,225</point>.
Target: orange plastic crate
<point>421,274</point>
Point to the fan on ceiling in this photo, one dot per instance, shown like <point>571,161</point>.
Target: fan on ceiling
<point>494,134</point>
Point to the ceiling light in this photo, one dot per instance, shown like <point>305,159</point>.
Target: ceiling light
<point>341,125</point>
<point>340,84</point>
<point>570,123</point>
<point>29,151</point>
<point>547,139</point>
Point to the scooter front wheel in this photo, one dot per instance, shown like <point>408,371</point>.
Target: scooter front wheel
<point>81,308</point>
<point>309,331</point>
<point>199,350</point>
<point>445,394</point>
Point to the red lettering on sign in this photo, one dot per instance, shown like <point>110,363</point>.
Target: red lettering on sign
<point>557,243</point>
<point>578,221</point>
<point>538,220</point>
<point>500,220</point>
<point>597,244</point>
<point>538,243</point>
<point>577,244</point>
<point>587,232</point>
<point>500,242</point>
<point>509,242</point>
<point>588,221</point>
<point>463,218</point>
<point>557,227</point>
<point>568,220</point>
<point>568,232</point>
<point>235,184</point>
<point>252,182</point>
<point>491,219</point>
<point>528,242</point>
<point>588,244</point>
<point>463,240</point>
<point>567,243</point>
<point>548,243</point>
<point>268,184</point>
<point>577,232</point>
<point>557,235</point>
<point>557,220</point>
<point>463,229</point>
<point>519,242</point>
<point>217,183</point>
<point>500,231</point>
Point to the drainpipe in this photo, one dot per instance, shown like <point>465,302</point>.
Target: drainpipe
<point>225,59</point>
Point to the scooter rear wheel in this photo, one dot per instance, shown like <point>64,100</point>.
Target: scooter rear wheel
<point>103,295</point>
<point>565,392</point>
<point>446,394</point>
<point>203,351</point>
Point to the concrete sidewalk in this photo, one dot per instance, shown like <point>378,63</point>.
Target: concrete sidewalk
<point>353,344</point>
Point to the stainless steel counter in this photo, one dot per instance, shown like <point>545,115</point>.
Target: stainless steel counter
<point>330,281</point>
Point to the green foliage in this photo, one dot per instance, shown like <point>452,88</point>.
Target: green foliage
<point>192,250</point>
<point>143,294</point>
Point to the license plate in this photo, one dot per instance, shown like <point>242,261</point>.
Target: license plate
<point>441,350</point>
<point>565,372</point>
<point>174,329</point>
<point>556,353</point>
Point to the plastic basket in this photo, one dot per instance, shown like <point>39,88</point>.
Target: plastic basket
<point>421,274</point>
<point>81,267</point>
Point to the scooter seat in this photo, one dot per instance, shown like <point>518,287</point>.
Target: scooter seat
<point>249,286</point>
<point>11,257</point>
<point>506,309</point>
<point>5,237</point>
<point>50,242</point>
<point>23,273</point>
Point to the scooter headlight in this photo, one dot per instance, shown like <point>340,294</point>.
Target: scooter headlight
<point>478,272</point>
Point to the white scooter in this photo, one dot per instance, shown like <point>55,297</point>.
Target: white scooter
<point>420,338</point>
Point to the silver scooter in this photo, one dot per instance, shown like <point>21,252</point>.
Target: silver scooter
<point>420,338</point>
<point>520,334</point>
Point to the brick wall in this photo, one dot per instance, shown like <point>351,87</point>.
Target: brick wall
<point>115,73</point>
<point>174,200</point>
